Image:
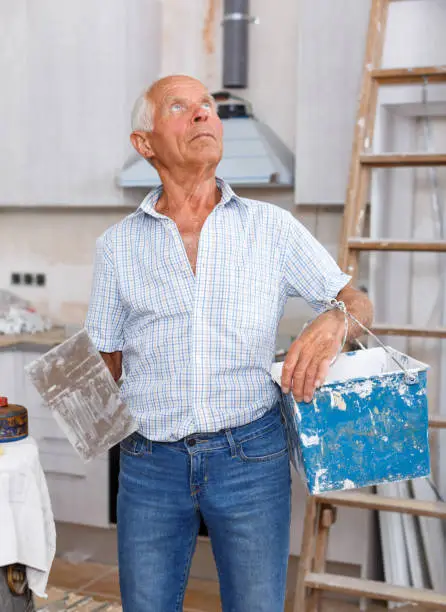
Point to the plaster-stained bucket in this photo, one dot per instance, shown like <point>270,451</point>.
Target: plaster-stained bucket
<point>367,424</point>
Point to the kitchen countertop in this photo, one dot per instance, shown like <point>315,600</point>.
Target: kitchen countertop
<point>49,338</point>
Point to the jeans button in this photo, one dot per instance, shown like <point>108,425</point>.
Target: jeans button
<point>191,442</point>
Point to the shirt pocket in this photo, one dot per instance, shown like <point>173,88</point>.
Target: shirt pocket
<point>255,307</point>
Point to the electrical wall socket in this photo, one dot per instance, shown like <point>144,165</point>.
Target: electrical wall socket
<point>28,278</point>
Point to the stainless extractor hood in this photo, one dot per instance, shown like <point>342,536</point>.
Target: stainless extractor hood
<point>253,156</point>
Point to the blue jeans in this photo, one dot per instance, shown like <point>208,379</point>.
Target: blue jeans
<point>239,480</point>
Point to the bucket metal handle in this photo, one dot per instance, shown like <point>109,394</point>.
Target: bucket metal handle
<point>410,377</point>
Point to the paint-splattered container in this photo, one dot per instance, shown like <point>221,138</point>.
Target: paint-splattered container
<point>13,421</point>
<point>368,424</point>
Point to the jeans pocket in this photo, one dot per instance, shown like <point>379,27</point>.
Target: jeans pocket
<point>270,444</point>
<point>134,445</point>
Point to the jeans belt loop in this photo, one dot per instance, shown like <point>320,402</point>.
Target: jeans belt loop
<point>231,443</point>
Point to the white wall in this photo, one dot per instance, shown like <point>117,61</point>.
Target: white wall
<point>330,58</point>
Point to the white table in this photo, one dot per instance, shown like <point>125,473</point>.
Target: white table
<point>28,534</point>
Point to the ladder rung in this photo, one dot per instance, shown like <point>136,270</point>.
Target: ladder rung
<point>389,504</point>
<point>408,330</point>
<point>437,421</point>
<point>390,160</point>
<point>371,244</point>
<point>403,76</point>
<point>374,589</point>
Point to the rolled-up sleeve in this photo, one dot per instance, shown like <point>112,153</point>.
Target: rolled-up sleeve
<point>309,270</point>
<point>106,312</point>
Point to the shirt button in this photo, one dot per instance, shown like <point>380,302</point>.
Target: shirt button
<point>191,442</point>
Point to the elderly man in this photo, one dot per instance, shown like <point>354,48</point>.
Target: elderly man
<point>188,292</point>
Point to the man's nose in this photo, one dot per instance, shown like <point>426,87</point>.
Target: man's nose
<point>200,114</point>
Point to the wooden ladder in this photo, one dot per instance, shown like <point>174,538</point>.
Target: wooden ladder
<point>320,511</point>
<point>362,163</point>
<point>320,515</point>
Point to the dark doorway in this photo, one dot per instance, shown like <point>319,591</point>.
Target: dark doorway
<point>113,475</point>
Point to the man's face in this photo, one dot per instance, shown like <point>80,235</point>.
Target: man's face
<point>187,131</point>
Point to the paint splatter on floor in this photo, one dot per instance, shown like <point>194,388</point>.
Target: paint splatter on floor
<point>66,600</point>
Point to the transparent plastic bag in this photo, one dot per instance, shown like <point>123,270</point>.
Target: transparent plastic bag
<point>17,316</point>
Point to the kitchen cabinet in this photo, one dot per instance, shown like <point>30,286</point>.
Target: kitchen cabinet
<point>78,490</point>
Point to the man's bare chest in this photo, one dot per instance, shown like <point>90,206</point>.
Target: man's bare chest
<point>190,232</point>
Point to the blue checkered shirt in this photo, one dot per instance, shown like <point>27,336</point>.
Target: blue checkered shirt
<point>197,350</point>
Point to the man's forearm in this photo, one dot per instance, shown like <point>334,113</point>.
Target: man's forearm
<point>114,363</point>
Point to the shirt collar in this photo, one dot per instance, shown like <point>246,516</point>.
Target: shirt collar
<point>149,202</point>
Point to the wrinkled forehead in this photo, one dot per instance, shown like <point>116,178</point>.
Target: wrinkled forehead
<point>187,89</point>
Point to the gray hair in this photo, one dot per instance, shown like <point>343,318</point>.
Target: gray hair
<point>142,113</point>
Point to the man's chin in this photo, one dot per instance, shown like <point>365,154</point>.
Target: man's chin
<point>206,157</point>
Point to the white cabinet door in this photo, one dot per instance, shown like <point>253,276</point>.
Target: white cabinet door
<point>78,490</point>
<point>83,48</point>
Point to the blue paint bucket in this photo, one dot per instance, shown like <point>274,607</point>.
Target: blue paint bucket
<point>367,425</point>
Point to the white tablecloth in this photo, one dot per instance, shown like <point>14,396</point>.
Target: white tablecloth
<point>27,530</point>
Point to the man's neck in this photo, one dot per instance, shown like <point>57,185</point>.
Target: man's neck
<point>195,194</point>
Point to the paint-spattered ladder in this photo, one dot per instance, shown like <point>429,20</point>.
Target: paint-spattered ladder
<point>321,509</point>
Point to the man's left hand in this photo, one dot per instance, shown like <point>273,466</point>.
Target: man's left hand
<point>309,357</point>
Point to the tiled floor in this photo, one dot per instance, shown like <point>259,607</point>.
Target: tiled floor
<point>95,582</point>
<point>93,579</point>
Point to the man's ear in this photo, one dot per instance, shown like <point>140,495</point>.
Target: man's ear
<point>140,141</point>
